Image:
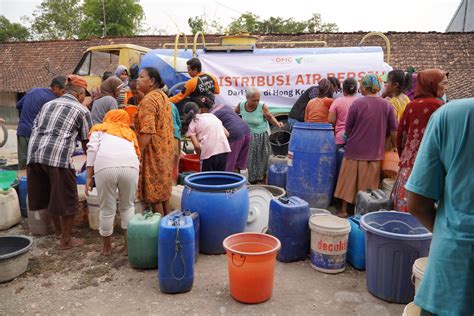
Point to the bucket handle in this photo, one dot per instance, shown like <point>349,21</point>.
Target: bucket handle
<point>243,261</point>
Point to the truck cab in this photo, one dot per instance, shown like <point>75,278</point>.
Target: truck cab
<point>98,59</point>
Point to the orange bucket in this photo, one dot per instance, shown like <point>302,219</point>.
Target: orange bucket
<point>390,164</point>
<point>130,109</point>
<point>251,260</point>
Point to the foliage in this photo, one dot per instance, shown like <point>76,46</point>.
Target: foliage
<point>12,31</point>
<point>251,23</point>
<point>122,18</point>
<point>202,24</point>
<point>56,19</point>
<point>69,19</point>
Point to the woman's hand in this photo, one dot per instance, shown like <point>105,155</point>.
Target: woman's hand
<point>280,124</point>
<point>89,180</point>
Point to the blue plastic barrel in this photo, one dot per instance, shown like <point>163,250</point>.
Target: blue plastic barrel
<point>312,164</point>
<point>356,244</point>
<point>288,222</point>
<point>23,191</point>
<point>81,177</point>
<point>222,201</point>
<point>393,241</point>
<point>277,175</point>
<point>176,254</point>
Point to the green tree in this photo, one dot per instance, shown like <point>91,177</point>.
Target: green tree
<point>248,22</point>
<point>116,17</point>
<point>202,24</point>
<point>56,19</point>
<point>251,23</point>
<point>10,32</point>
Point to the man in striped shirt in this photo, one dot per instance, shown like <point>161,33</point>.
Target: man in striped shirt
<point>51,174</point>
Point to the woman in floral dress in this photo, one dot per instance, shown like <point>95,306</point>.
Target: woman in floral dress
<point>431,86</point>
<point>154,128</point>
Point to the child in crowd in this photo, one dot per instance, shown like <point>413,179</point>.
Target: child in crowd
<point>209,137</point>
<point>398,82</point>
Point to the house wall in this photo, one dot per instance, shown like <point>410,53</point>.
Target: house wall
<point>8,109</point>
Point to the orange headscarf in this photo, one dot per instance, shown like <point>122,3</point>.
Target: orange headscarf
<point>117,123</point>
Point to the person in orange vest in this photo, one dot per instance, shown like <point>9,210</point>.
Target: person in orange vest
<point>199,85</point>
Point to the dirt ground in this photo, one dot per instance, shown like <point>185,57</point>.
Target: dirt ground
<point>81,282</point>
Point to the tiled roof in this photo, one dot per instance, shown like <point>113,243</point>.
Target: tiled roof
<point>24,65</point>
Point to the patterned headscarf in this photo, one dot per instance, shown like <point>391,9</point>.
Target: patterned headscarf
<point>427,83</point>
<point>372,83</point>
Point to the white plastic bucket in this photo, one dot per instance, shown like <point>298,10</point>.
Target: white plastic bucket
<point>387,186</point>
<point>329,237</point>
<point>319,211</point>
<point>94,210</point>
<point>411,310</point>
<point>418,271</point>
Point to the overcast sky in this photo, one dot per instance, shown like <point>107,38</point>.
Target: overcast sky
<point>350,15</point>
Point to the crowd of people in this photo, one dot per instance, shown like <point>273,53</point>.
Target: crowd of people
<point>137,156</point>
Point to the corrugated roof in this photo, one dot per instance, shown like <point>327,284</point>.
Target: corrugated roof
<point>25,65</point>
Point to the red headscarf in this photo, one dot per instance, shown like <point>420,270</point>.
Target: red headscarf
<point>427,83</point>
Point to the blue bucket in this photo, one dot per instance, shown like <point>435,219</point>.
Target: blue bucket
<point>393,242</point>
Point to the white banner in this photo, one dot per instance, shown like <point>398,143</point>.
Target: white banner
<point>282,75</point>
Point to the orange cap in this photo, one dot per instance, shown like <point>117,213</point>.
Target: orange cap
<point>76,80</point>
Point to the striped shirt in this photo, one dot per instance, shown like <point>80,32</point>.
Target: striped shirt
<point>56,128</point>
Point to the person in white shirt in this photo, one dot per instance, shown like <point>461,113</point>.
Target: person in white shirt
<point>113,157</point>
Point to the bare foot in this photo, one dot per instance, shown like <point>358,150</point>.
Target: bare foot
<point>58,236</point>
<point>71,243</point>
<point>106,251</point>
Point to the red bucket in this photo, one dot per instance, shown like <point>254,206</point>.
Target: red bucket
<point>189,162</point>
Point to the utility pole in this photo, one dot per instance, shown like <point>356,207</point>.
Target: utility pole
<point>104,33</point>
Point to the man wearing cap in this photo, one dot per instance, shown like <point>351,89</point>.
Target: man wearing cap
<point>29,106</point>
<point>51,174</point>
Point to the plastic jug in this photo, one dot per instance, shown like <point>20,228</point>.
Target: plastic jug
<point>356,244</point>
<point>176,253</point>
<point>288,221</point>
<point>371,201</point>
<point>10,214</point>
<point>277,175</point>
<point>142,240</point>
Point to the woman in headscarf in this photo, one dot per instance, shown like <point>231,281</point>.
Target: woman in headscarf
<point>370,118</point>
<point>431,86</point>
<point>113,157</point>
<point>317,110</point>
<point>154,126</point>
<point>122,73</point>
<point>256,114</point>
<point>106,100</point>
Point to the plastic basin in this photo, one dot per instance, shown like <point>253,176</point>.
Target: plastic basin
<point>14,255</point>
<point>393,241</point>
<point>190,162</point>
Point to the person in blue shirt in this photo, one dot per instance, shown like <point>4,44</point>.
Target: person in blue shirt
<point>29,106</point>
<point>444,173</point>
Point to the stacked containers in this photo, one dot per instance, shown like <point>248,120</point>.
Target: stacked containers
<point>176,253</point>
<point>288,222</point>
<point>312,163</point>
<point>329,237</point>
<point>393,241</point>
<point>142,240</point>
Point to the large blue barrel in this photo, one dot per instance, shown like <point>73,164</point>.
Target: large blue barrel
<point>23,191</point>
<point>288,222</point>
<point>277,175</point>
<point>222,201</point>
<point>176,253</point>
<point>312,164</point>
